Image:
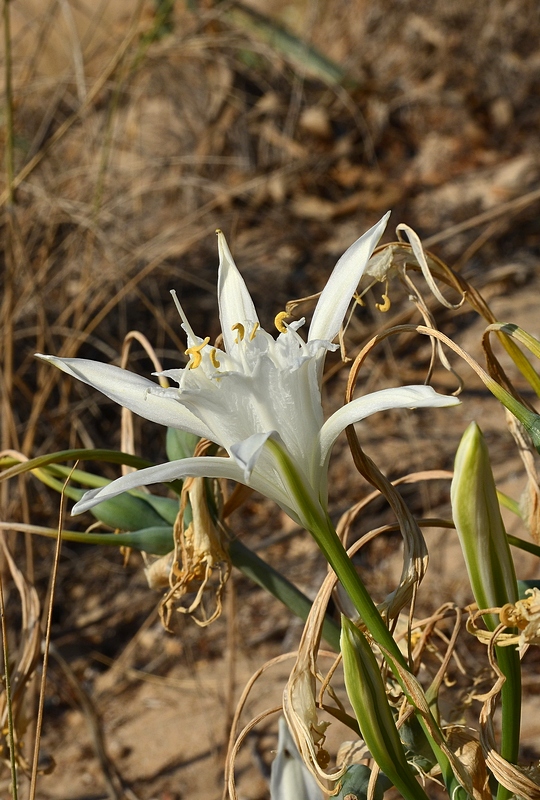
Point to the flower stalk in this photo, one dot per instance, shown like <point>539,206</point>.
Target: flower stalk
<point>318,523</point>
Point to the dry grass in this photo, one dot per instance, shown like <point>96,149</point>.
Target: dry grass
<point>133,136</point>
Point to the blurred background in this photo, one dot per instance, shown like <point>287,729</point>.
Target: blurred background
<point>131,131</point>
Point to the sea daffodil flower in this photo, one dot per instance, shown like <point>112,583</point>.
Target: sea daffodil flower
<point>257,397</point>
<point>290,779</point>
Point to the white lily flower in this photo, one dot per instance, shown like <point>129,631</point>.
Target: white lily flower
<point>290,779</point>
<point>258,398</point>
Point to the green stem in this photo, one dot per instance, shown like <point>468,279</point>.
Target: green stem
<point>282,589</point>
<point>317,522</point>
<point>510,666</point>
<point>515,541</point>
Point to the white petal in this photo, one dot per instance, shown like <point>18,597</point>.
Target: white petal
<point>234,300</point>
<point>246,453</point>
<point>290,779</point>
<point>341,285</point>
<point>131,391</point>
<point>402,397</point>
<point>205,467</point>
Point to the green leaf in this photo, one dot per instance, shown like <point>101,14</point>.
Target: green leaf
<point>521,361</point>
<point>524,586</point>
<point>127,513</point>
<point>261,573</point>
<point>356,780</point>
<point>180,444</point>
<point>417,748</point>
<point>157,541</point>
<point>166,507</point>
<point>302,55</point>
<point>522,544</point>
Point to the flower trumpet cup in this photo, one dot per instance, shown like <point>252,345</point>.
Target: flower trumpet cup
<point>252,390</point>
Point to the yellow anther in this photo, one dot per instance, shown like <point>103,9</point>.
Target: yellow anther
<point>241,330</point>
<point>254,331</point>
<point>195,353</point>
<point>218,231</point>
<point>213,359</point>
<point>278,321</point>
<point>358,298</point>
<point>385,305</point>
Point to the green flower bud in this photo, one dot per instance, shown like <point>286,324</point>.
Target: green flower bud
<point>479,525</point>
<point>367,693</point>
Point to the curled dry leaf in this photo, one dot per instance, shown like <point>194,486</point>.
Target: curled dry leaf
<point>299,705</point>
<point>530,499</point>
<point>200,556</point>
<point>524,615</point>
<point>422,260</point>
<point>464,743</point>
<point>158,571</point>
